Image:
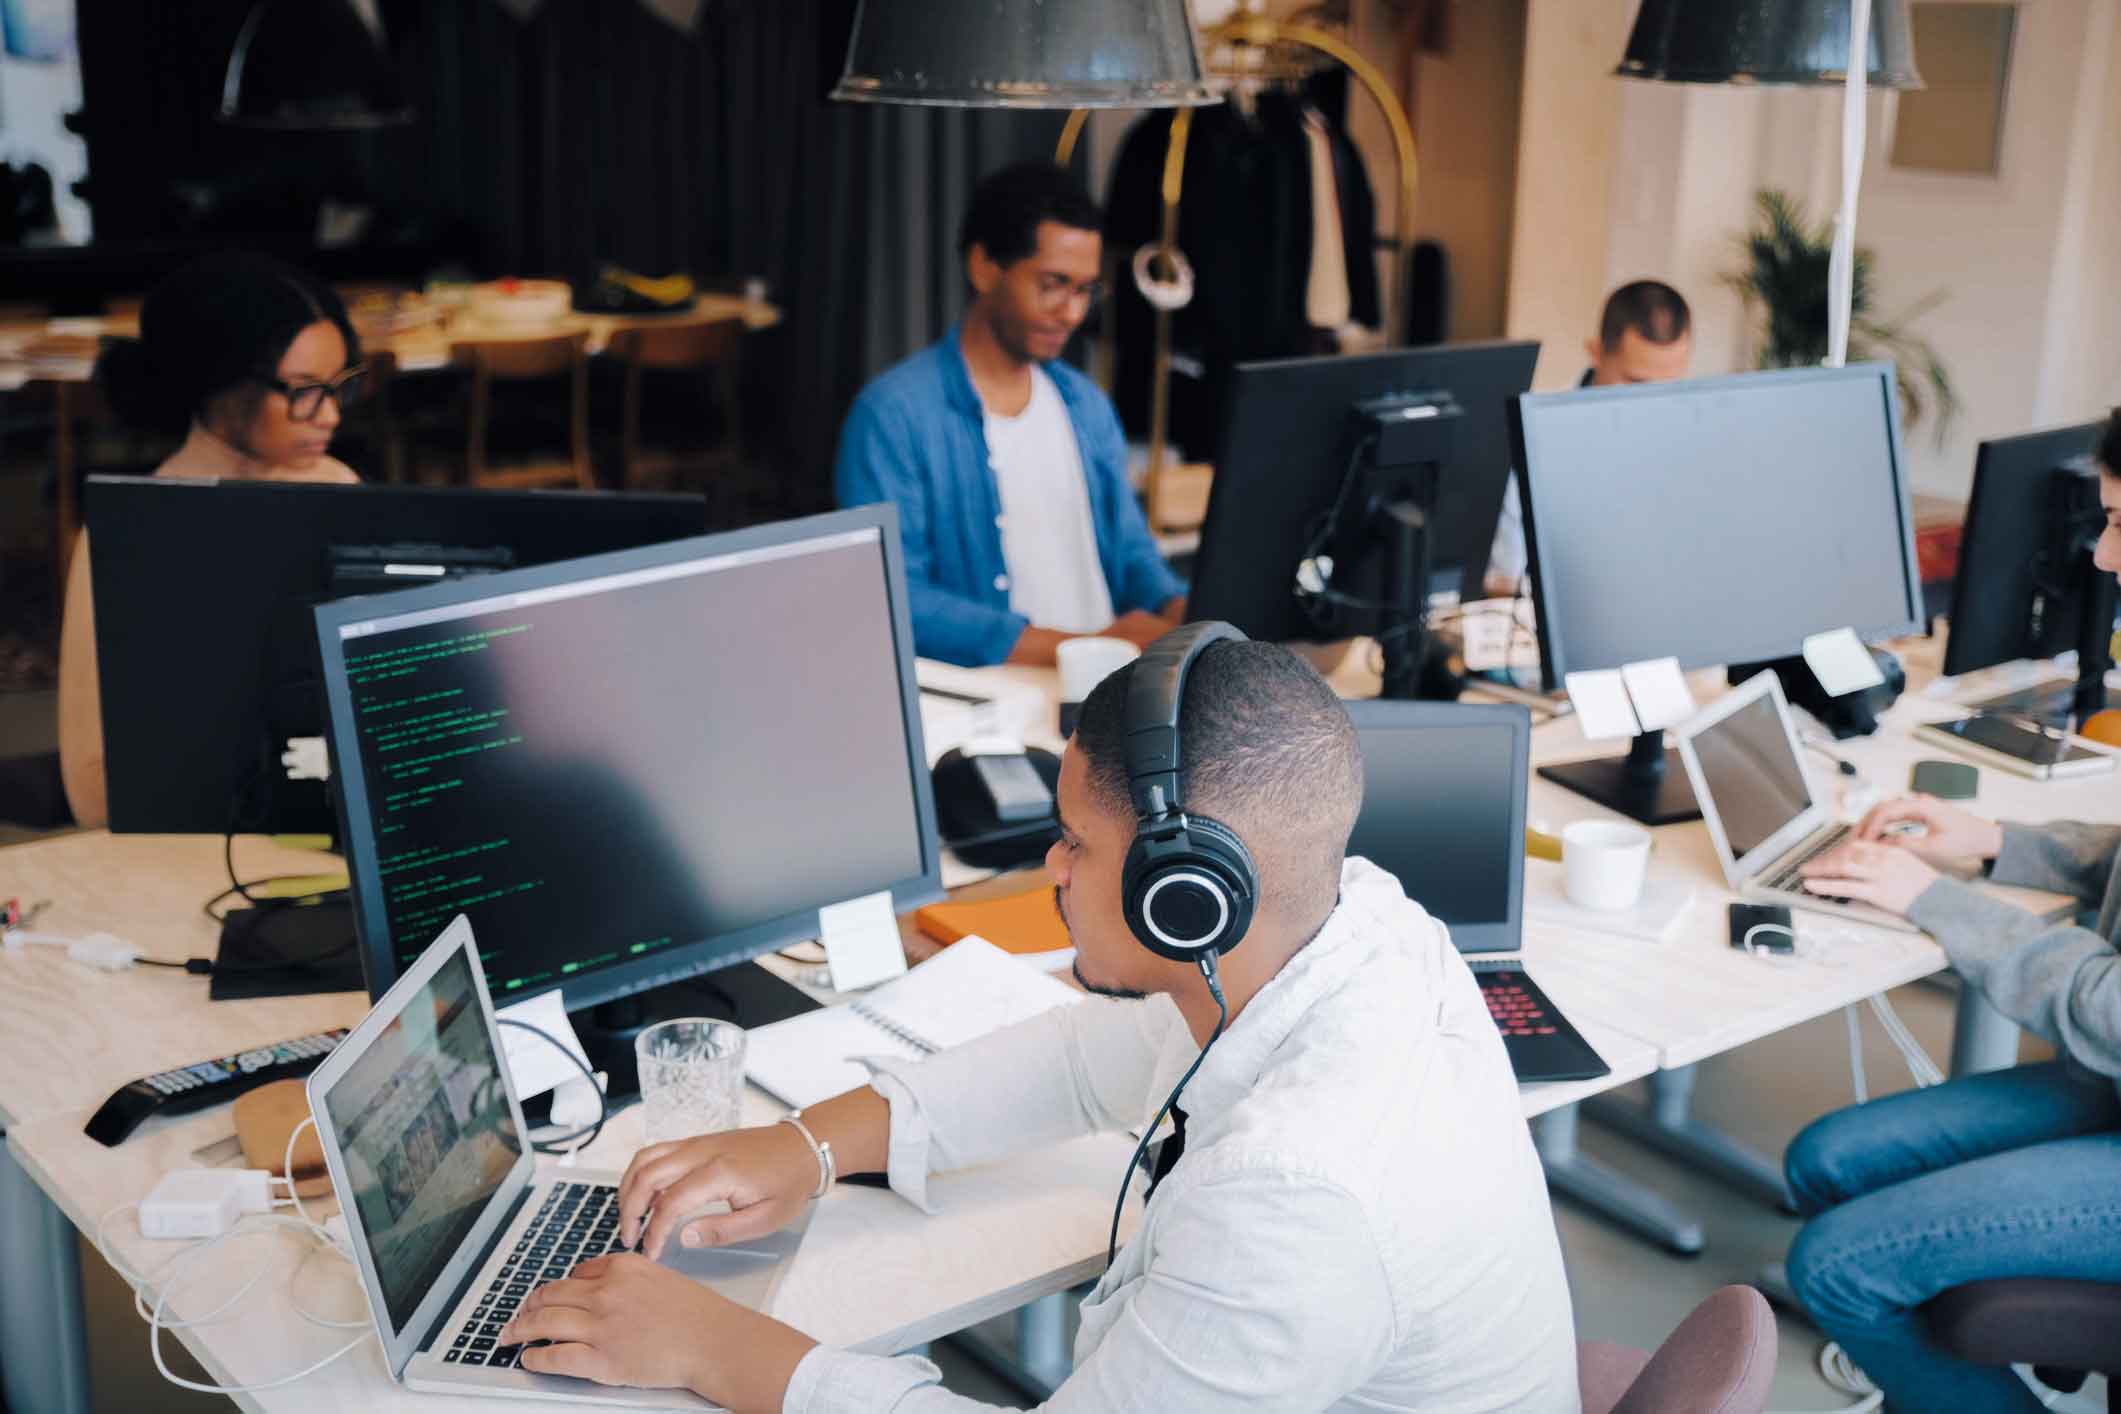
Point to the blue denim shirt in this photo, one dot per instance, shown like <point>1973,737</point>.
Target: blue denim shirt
<point>916,438</point>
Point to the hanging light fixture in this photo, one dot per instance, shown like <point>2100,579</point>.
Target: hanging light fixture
<point>312,65</point>
<point>1024,54</point>
<point>1766,42</point>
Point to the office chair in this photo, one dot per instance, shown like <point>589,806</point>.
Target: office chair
<point>2061,1328</point>
<point>1720,1360</point>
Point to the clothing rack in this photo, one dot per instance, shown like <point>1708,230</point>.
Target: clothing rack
<point>1279,41</point>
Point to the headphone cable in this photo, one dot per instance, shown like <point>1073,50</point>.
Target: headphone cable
<point>1222,1019</point>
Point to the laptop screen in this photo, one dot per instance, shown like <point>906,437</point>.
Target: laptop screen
<point>423,1123</point>
<point>1753,773</point>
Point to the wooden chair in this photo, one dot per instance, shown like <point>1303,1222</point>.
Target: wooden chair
<point>708,348</point>
<point>493,361</point>
<point>375,421</point>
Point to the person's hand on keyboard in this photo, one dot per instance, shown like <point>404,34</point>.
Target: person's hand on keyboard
<point>1886,875</point>
<point>765,1176</point>
<point>1924,823</point>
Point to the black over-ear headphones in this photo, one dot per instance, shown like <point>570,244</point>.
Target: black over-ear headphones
<point>1189,884</point>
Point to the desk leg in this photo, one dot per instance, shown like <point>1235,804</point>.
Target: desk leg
<point>1610,1195</point>
<point>43,1343</point>
<point>1667,1127</point>
<point>1042,1361</point>
<point>1983,1038</point>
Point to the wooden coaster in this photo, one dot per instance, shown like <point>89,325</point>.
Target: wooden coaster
<point>264,1118</point>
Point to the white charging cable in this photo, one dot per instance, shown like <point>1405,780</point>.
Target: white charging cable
<point>156,1324</point>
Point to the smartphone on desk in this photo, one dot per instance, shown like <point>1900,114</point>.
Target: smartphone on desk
<point>2023,748</point>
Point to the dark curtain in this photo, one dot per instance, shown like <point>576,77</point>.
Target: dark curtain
<point>595,132</point>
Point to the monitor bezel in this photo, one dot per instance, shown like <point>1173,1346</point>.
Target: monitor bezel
<point>1554,664</point>
<point>1379,714</point>
<point>700,955</point>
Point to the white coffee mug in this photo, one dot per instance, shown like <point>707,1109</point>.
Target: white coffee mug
<point>1603,863</point>
<point>1086,662</point>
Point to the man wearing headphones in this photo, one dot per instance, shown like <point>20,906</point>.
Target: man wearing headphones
<point>1351,1215</point>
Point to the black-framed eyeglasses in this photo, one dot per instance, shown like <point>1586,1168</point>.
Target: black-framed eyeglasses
<point>1056,290</point>
<point>306,400</point>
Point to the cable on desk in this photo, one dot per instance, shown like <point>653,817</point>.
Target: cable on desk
<point>553,1146</point>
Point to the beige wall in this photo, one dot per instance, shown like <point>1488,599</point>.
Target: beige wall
<point>1618,179</point>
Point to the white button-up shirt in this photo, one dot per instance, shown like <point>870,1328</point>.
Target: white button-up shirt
<point>1359,1221</point>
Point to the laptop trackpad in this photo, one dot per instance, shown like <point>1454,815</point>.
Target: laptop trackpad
<point>746,1272</point>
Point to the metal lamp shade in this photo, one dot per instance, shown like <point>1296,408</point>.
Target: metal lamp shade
<point>307,65</point>
<point>1024,54</point>
<point>1765,42</point>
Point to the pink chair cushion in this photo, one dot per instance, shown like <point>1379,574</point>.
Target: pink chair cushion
<point>1721,1360</point>
<point>1604,1372</point>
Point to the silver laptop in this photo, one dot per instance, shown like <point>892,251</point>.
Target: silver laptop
<point>1756,797</point>
<point>451,1222</point>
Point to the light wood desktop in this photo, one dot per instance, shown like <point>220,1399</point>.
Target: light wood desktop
<point>874,1272</point>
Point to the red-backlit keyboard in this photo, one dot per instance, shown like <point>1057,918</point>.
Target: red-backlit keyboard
<point>1541,1042</point>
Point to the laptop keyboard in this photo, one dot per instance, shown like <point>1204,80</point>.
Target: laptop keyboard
<point>1788,879</point>
<point>577,1221</point>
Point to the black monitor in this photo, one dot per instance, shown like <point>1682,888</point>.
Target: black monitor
<point>1443,810</point>
<point>2025,572</point>
<point>1290,448</point>
<point>635,768</point>
<point>204,641</point>
<point>1715,520</point>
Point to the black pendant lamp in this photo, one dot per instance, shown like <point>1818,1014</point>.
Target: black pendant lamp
<point>1024,54</point>
<point>1765,42</point>
<point>311,65</point>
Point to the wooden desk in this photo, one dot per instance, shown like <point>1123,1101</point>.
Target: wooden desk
<point>874,1274</point>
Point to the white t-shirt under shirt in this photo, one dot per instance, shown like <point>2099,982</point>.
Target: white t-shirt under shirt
<point>1048,541</point>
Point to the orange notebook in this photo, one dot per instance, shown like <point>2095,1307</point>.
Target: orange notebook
<point>1020,923</point>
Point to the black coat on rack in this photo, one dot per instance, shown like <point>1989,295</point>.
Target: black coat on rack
<point>1245,225</point>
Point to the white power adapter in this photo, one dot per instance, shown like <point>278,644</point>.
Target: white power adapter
<point>203,1202</point>
<point>103,950</point>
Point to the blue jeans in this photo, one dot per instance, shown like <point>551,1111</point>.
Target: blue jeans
<point>2013,1173</point>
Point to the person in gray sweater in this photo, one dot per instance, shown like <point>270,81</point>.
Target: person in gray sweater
<point>2013,1173</point>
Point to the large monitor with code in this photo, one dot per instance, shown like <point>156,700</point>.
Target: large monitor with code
<point>633,768</point>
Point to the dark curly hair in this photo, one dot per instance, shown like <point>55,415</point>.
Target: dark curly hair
<point>1008,206</point>
<point>2110,445</point>
<point>213,327</point>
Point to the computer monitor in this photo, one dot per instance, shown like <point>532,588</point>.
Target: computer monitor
<point>631,769</point>
<point>204,640</point>
<point>1712,520</point>
<point>1289,448</point>
<point>1443,810</point>
<point>2025,570</point>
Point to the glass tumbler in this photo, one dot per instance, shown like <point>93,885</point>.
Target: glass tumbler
<point>692,1074</point>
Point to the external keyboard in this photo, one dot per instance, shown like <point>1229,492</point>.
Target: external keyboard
<point>577,1221</point>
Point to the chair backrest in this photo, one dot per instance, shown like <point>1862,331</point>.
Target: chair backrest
<point>547,356</point>
<point>1721,1360</point>
<point>678,345</point>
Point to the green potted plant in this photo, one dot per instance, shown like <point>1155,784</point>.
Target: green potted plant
<point>1785,277</point>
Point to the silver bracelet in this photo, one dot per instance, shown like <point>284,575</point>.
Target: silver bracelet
<point>827,1167</point>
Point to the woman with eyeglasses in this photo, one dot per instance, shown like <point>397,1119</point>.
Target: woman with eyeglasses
<point>253,362</point>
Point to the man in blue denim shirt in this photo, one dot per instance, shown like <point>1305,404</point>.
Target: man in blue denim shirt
<point>1009,469</point>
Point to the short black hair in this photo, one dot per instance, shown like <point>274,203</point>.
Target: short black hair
<point>1651,308</point>
<point>216,325</point>
<point>1008,205</point>
<point>1265,746</point>
<point>2110,445</point>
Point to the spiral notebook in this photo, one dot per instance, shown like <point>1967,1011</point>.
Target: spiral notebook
<point>965,991</point>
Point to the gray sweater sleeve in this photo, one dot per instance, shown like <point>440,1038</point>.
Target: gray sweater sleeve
<point>2057,980</point>
<point>2062,857</point>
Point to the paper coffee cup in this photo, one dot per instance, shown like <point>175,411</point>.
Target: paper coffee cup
<point>1603,863</point>
<point>1086,662</point>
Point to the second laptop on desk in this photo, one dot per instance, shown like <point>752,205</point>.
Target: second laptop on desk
<point>1444,789</point>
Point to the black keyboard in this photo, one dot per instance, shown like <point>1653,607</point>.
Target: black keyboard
<point>1541,1042</point>
<point>576,1221</point>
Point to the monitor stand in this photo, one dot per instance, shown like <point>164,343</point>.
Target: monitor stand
<point>1648,784</point>
<point>746,993</point>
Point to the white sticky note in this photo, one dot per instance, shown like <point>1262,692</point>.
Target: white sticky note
<point>1601,702</point>
<point>535,1064</point>
<point>1841,662</point>
<point>862,942</point>
<point>1659,693</point>
<point>1490,630</point>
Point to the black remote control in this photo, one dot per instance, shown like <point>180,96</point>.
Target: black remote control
<point>194,1087</point>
